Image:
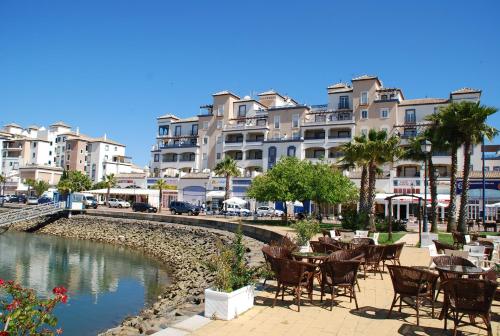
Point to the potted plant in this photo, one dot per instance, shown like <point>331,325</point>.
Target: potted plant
<point>233,289</point>
<point>305,230</point>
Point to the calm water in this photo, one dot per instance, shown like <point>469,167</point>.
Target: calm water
<point>106,283</point>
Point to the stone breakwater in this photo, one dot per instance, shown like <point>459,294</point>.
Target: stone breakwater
<point>184,250</point>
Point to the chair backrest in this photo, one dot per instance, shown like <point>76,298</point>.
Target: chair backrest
<point>344,255</point>
<point>440,247</point>
<point>361,241</point>
<point>317,246</point>
<point>470,295</point>
<point>458,238</point>
<point>290,271</point>
<point>427,238</point>
<point>457,253</point>
<point>479,249</point>
<point>409,280</point>
<point>340,272</point>
<point>277,252</point>
<point>361,233</point>
<point>452,260</point>
<point>393,251</point>
<point>374,253</point>
<point>326,233</point>
<point>375,237</point>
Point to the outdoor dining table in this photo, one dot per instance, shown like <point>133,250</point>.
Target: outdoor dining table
<point>313,257</point>
<point>462,270</point>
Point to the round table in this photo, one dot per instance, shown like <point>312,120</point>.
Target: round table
<point>314,256</point>
<point>461,270</point>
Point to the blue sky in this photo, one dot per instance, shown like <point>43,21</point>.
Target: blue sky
<point>114,66</point>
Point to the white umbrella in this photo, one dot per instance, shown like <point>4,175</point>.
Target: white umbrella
<point>235,201</point>
<point>295,204</point>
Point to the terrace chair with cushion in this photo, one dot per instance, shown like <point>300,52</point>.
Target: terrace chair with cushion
<point>409,282</point>
<point>469,297</point>
<point>457,253</point>
<point>296,274</point>
<point>375,237</point>
<point>347,235</point>
<point>392,253</point>
<point>373,258</point>
<point>433,253</point>
<point>340,274</point>
<point>361,234</point>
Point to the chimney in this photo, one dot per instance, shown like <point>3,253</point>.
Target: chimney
<point>105,136</point>
<point>77,130</point>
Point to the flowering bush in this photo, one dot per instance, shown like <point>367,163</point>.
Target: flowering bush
<point>23,313</point>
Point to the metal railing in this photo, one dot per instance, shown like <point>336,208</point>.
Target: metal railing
<point>30,212</point>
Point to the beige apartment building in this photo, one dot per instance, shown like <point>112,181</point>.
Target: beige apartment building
<point>257,131</point>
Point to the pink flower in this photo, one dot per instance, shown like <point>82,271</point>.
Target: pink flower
<point>58,331</point>
<point>59,290</point>
<point>13,305</point>
<point>1,283</point>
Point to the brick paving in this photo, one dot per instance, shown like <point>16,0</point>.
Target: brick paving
<point>317,319</point>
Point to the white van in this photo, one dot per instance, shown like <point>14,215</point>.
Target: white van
<point>238,210</point>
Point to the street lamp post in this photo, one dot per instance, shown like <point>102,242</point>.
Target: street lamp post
<point>425,146</point>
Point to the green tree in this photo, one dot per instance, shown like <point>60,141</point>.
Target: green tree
<point>473,127</point>
<point>30,183</point>
<point>380,149</point>
<point>73,181</point>
<point>161,185</point>
<point>40,187</point>
<point>227,168</point>
<point>109,182</point>
<point>287,181</point>
<point>327,185</point>
<point>99,185</point>
<point>449,132</point>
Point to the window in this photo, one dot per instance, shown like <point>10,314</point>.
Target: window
<point>290,151</point>
<point>116,148</point>
<point>364,98</point>
<point>157,158</point>
<point>177,130</point>
<point>205,140</point>
<point>68,158</point>
<point>220,110</point>
<point>50,153</point>
<point>364,114</point>
<point>205,125</point>
<point>105,157</point>
<point>219,139</point>
<point>34,155</point>
<point>343,102</point>
<point>34,144</point>
<point>410,116</point>
<point>194,129</point>
<point>242,111</point>
<point>68,146</point>
<point>81,151</point>
<point>384,113</point>
<point>219,124</point>
<point>163,130</point>
<point>204,156</point>
<point>271,156</point>
<point>383,97</point>
<point>486,169</point>
<point>261,122</point>
<point>106,148</point>
<point>277,121</point>
<point>496,168</point>
<point>218,156</point>
<point>295,121</point>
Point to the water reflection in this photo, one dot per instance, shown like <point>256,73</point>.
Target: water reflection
<point>105,282</point>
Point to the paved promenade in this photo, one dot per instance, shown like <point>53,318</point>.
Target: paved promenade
<point>316,318</point>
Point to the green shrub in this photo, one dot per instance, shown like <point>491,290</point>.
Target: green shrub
<point>382,225</point>
<point>230,268</point>
<point>305,230</point>
<point>352,220</point>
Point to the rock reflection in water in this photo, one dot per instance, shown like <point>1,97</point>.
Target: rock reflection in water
<point>106,283</point>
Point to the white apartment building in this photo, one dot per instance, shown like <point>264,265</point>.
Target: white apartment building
<point>257,131</point>
<point>43,153</point>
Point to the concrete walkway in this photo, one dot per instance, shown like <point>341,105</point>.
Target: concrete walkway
<point>316,318</point>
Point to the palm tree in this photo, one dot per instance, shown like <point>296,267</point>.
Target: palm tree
<point>379,150</point>
<point>447,129</point>
<point>473,126</point>
<point>109,181</point>
<point>354,155</point>
<point>227,168</point>
<point>30,183</point>
<point>160,185</point>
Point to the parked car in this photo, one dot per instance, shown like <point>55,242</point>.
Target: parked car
<point>17,199</point>
<point>32,200</point>
<point>268,211</point>
<point>178,207</point>
<point>118,203</point>
<point>143,207</point>
<point>44,200</point>
<point>89,201</point>
<point>234,209</point>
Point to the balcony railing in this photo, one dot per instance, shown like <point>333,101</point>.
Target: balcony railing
<point>237,141</point>
<point>410,120</point>
<point>314,137</point>
<point>339,136</point>
<point>330,117</point>
<point>179,145</point>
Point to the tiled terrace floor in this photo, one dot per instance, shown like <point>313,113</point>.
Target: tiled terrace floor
<point>317,319</point>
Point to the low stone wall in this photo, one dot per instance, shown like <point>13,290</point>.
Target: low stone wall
<point>261,234</point>
<point>183,248</point>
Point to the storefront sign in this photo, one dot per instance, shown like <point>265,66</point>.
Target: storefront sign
<point>478,184</point>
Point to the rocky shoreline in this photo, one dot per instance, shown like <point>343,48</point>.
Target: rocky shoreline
<point>184,250</point>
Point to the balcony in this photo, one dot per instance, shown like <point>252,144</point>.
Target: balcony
<point>328,118</point>
<point>246,124</point>
<point>179,145</point>
<point>410,119</point>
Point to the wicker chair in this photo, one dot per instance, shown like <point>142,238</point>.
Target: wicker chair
<point>318,246</point>
<point>392,253</point>
<point>492,275</point>
<point>360,241</point>
<point>372,259</point>
<point>340,274</point>
<point>440,247</point>
<point>344,255</point>
<point>472,297</point>
<point>327,240</point>
<point>296,274</point>
<point>409,282</point>
<point>274,252</point>
<point>450,260</point>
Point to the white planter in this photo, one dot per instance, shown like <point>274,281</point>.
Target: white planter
<point>304,248</point>
<point>226,306</point>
